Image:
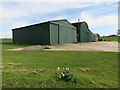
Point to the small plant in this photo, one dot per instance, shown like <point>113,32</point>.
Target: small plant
<point>66,75</point>
<point>46,47</point>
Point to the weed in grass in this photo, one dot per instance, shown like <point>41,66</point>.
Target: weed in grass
<point>37,71</point>
<point>103,83</point>
<point>6,72</point>
<point>26,85</point>
<point>16,64</point>
<point>67,75</point>
<point>84,69</point>
<point>99,86</point>
<point>103,74</point>
<point>93,82</point>
<point>23,69</point>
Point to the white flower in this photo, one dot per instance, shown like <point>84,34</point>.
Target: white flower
<point>58,68</point>
<point>63,75</point>
<point>66,68</point>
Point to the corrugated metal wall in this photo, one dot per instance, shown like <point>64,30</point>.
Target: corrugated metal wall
<point>35,34</point>
<point>54,33</point>
<point>83,32</point>
<point>97,36</point>
<point>93,37</point>
<point>90,36</point>
<point>66,32</point>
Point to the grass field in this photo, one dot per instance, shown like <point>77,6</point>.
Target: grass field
<point>103,68</point>
<point>115,38</point>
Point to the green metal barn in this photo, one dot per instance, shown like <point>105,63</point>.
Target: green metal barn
<point>93,37</point>
<point>90,36</point>
<point>83,32</point>
<point>97,37</point>
<point>51,32</point>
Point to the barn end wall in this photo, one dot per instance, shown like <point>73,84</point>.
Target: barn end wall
<point>67,34</point>
<point>35,34</point>
<point>60,33</point>
<point>84,33</point>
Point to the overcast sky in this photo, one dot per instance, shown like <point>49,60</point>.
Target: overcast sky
<point>102,17</point>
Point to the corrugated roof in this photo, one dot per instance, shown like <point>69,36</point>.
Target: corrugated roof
<point>44,22</point>
<point>80,23</point>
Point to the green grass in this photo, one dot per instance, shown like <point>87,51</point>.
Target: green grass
<point>6,40</point>
<point>103,68</point>
<point>115,38</point>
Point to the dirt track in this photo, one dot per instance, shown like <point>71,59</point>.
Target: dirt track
<point>91,46</point>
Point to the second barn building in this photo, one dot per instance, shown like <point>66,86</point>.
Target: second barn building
<point>83,32</point>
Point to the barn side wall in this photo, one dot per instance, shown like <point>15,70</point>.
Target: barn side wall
<point>35,34</point>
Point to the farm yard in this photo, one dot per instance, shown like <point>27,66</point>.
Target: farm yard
<point>38,68</point>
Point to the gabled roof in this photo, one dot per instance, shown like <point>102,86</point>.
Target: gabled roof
<point>59,20</point>
<point>63,20</point>
<point>80,23</point>
<point>45,22</point>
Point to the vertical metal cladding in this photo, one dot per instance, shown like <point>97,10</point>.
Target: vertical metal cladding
<point>34,34</point>
<point>93,37</point>
<point>83,32</point>
<point>54,32</point>
<point>97,37</point>
<point>66,32</point>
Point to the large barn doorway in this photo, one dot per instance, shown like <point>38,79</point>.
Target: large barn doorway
<point>55,34</point>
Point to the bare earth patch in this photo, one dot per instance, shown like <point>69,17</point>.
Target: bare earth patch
<point>30,48</point>
<point>90,46</point>
<point>16,64</point>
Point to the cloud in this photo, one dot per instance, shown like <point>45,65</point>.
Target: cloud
<point>6,29</point>
<point>18,14</point>
<point>59,1</point>
<point>60,17</point>
<point>28,8</point>
<point>100,20</point>
<point>6,34</point>
<point>19,24</point>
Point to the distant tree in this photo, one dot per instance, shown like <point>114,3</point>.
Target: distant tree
<point>112,35</point>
